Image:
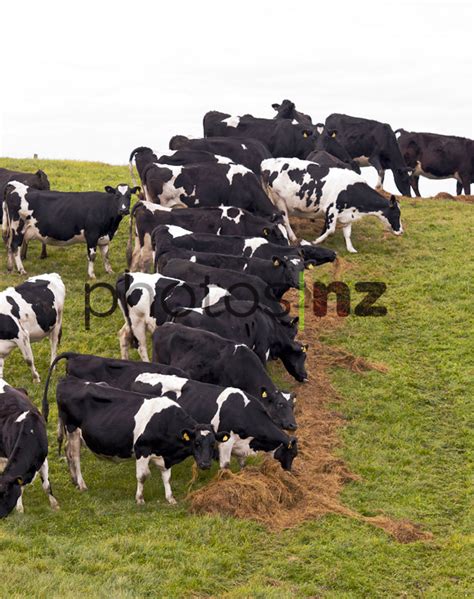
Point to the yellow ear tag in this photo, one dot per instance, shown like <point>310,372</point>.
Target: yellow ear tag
<point>333,134</point>
<point>225,438</point>
<point>264,394</point>
<point>310,266</point>
<point>19,480</point>
<point>265,232</point>
<point>303,349</point>
<point>186,437</point>
<point>305,134</point>
<point>289,445</point>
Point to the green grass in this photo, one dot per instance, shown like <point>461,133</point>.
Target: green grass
<point>409,434</point>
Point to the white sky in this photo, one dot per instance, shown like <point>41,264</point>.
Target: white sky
<point>92,80</point>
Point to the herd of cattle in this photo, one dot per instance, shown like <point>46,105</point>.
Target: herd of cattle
<point>213,223</point>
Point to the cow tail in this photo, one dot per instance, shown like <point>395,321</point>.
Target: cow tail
<point>129,252</point>
<point>6,222</point>
<point>45,404</point>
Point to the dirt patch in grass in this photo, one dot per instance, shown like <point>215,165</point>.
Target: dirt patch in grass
<point>280,499</point>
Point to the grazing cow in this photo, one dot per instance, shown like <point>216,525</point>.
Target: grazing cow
<point>167,237</point>
<point>206,184</point>
<point>240,285</point>
<point>96,369</point>
<point>251,428</point>
<point>147,301</point>
<point>64,218</point>
<point>340,195</point>
<point>120,425</point>
<point>248,152</point>
<point>246,322</point>
<point>438,157</point>
<point>280,136</point>
<point>222,220</point>
<point>212,359</point>
<point>30,312</point>
<point>38,180</point>
<point>280,274</point>
<point>371,143</point>
<point>287,110</point>
<point>143,157</point>
<point>24,447</point>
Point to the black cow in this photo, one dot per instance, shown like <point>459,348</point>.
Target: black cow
<point>38,180</point>
<point>279,273</point>
<point>147,301</point>
<point>280,136</point>
<point>246,151</point>
<point>167,237</point>
<point>287,110</point>
<point>117,425</point>
<point>64,218</point>
<point>210,358</point>
<point>30,312</point>
<point>143,156</point>
<point>206,184</point>
<point>327,147</point>
<point>96,369</point>
<point>250,426</point>
<point>222,220</point>
<point>24,448</point>
<point>249,323</point>
<point>438,157</point>
<point>371,143</point>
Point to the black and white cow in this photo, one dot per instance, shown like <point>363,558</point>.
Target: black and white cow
<point>222,220</point>
<point>280,274</point>
<point>212,359</point>
<point>120,425</point>
<point>38,180</point>
<point>247,151</point>
<point>303,188</point>
<point>30,312</point>
<point>249,323</point>
<point>371,143</point>
<point>148,300</point>
<point>280,136</point>
<point>287,110</point>
<point>63,218</point>
<point>240,285</point>
<point>227,409</point>
<point>438,157</point>
<point>167,237</point>
<point>23,448</point>
<point>206,184</point>
<point>96,369</point>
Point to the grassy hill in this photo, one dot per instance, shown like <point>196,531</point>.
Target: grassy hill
<point>408,433</point>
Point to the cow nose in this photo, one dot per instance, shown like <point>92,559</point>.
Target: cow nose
<point>291,426</point>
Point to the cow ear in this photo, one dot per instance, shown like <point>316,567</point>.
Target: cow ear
<point>393,201</point>
<point>109,189</point>
<point>135,189</point>
<point>294,321</point>
<point>275,106</point>
<point>222,437</point>
<point>276,261</point>
<point>187,435</point>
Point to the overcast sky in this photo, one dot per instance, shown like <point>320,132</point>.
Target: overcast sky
<point>92,80</point>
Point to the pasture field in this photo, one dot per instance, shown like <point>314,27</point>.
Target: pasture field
<point>408,433</point>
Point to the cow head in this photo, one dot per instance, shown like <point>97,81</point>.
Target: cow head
<point>391,217</point>
<point>10,491</point>
<point>202,440</point>
<point>294,358</point>
<point>401,177</point>
<point>287,110</point>
<point>279,409</point>
<point>286,453</point>
<point>288,270</point>
<point>123,196</point>
<point>315,255</point>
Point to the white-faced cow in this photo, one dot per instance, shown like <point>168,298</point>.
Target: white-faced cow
<point>222,220</point>
<point>280,136</point>
<point>30,312</point>
<point>438,157</point>
<point>371,143</point>
<point>23,448</point>
<point>246,151</point>
<point>303,188</point>
<point>244,421</point>
<point>63,218</point>
<point>120,425</point>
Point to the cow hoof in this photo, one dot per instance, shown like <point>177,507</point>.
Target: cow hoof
<point>172,501</point>
<point>352,251</point>
<point>82,488</point>
<point>54,505</point>
<point>36,379</point>
<point>140,501</point>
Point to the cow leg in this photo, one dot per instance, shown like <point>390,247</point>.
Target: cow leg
<point>91,253</point>
<point>139,331</point>
<point>24,250</point>
<point>165,477</point>
<point>124,339</point>
<point>44,252</point>
<point>414,181</point>
<point>19,503</point>
<point>329,225</point>
<point>281,205</point>
<point>104,250</point>
<point>225,453</point>
<point>2,362</point>
<point>18,263</point>
<point>146,254</point>
<point>24,346</point>
<point>55,336</point>
<point>143,472</point>
<point>466,183</point>
<point>9,259</point>
<point>73,454</point>
<point>44,475</point>
<point>347,230</point>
